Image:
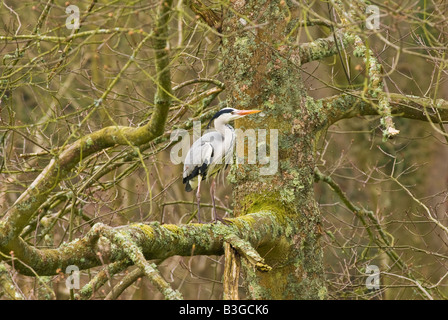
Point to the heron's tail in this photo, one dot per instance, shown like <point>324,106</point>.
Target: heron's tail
<point>188,187</point>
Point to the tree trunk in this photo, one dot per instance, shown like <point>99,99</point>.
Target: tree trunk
<point>259,75</point>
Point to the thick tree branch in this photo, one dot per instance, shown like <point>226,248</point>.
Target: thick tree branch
<point>318,49</point>
<point>134,253</point>
<point>245,249</point>
<point>154,240</point>
<point>352,104</point>
<point>163,79</point>
<point>375,86</point>
<point>235,248</point>
<point>326,47</point>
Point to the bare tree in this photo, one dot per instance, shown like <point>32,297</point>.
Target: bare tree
<point>86,120</point>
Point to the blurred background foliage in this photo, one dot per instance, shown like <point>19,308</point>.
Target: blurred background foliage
<point>50,95</point>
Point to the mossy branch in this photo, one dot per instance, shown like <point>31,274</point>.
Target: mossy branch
<point>101,278</point>
<point>318,49</point>
<point>375,87</point>
<point>355,103</point>
<point>69,156</point>
<point>124,241</point>
<point>327,47</point>
<point>155,242</point>
<point>163,95</point>
<point>245,249</point>
<point>31,199</point>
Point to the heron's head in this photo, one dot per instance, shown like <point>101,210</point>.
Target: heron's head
<point>228,114</point>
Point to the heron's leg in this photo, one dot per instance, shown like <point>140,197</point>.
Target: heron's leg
<point>198,198</point>
<point>212,194</point>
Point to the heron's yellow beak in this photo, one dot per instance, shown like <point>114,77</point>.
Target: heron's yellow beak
<point>246,112</point>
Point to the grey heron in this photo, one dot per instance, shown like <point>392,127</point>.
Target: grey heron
<point>211,153</point>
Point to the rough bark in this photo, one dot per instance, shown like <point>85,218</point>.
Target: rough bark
<point>258,76</point>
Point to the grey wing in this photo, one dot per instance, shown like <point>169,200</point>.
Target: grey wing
<point>201,156</point>
<point>197,160</point>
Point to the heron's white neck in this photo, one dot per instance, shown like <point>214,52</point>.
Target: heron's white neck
<point>222,127</point>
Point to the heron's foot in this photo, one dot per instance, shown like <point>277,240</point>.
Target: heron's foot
<point>198,217</point>
<point>222,220</point>
<point>216,220</point>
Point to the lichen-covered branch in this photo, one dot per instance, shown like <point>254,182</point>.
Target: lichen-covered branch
<point>375,87</point>
<point>245,249</point>
<point>156,242</point>
<point>329,46</point>
<point>101,278</point>
<point>134,253</point>
<point>355,103</point>
<point>318,49</point>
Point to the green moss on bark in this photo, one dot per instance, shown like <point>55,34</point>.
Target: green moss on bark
<point>257,76</point>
